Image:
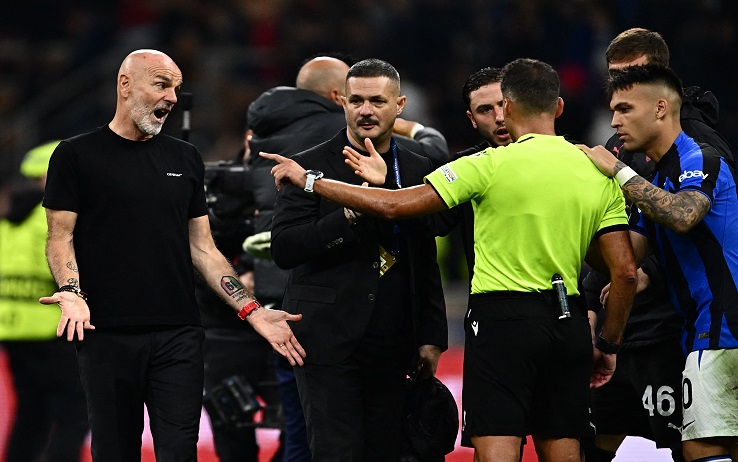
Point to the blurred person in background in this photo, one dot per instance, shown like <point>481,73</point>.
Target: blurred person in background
<point>51,414</point>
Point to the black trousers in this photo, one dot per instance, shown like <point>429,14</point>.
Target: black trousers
<point>51,415</point>
<point>249,357</point>
<point>354,410</point>
<point>123,369</point>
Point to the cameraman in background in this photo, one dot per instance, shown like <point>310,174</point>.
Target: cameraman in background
<point>238,360</point>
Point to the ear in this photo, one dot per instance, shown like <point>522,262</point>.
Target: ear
<point>124,85</point>
<point>559,107</point>
<point>507,104</point>
<point>336,97</point>
<point>471,118</point>
<point>401,104</point>
<point>662,108</point>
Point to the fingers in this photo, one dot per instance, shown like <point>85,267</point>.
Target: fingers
<point>370,146</point>
<point>352,157</point>
<point>61,326</point>
<point>598,379</point>
<point>297,347</point>
<point>80,328</point>
<point>292,317</point>
<point>289,351</point>
<point>49,300</point>
<point>604,293</point>
<point>275,157</point>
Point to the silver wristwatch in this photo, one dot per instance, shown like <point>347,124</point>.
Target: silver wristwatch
<point>312,175</point>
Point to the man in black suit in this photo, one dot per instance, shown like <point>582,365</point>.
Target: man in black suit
<point>370,289</point>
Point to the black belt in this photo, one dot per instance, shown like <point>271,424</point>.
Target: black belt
<point>546,299</point>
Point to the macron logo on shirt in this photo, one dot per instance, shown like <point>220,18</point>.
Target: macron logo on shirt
<point>173,174</point>
<point>692,174</point>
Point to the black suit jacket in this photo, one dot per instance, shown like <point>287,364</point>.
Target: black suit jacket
<point>334,266</point>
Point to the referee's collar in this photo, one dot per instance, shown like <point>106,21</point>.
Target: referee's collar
<point>525,138</point>
<point>530,136</point>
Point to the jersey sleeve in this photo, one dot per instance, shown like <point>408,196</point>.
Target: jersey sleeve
<point>63,179</point>
<point>463,179</point>
<point>615,210</point>
<point>702,172</point>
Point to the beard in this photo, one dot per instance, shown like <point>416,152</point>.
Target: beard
<point>141,116</point>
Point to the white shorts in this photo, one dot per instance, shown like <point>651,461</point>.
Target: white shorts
<point>710,394</point>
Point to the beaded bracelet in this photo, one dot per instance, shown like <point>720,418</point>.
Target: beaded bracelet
<point>75,290</point>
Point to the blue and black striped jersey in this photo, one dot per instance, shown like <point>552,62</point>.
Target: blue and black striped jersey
<point>702,264</point>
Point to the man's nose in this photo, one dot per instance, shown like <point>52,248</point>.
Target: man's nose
<point>499,115</point>
<point>171,96</point>
<point>367,108</point>
<point>615,122</point>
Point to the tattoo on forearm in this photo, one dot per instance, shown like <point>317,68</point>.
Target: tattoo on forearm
<point>230,284</point>
<point>73,282</point>
<point>619,165</point>
<point>678,211</point>
<point>234,289</point>
<point>72,266</point>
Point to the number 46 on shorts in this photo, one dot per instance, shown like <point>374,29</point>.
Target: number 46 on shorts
<point>663,402</point>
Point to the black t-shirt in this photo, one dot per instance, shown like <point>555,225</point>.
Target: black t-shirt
<point>134,200</point>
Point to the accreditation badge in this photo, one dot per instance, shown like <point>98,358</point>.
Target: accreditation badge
<point>386,260</point>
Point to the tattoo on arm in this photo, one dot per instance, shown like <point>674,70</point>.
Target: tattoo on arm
<point>679,212</point>
<point>619,165</point>
<point>72,266</point>
<point>73,282</point>
<point>234,289</point>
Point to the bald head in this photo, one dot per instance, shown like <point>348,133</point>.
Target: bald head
<point>324,76</point>
<point>148,81</point>
<point>151,61</point>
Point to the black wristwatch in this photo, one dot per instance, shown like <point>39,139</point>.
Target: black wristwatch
<point>607,346</point>
<point>312,175</point>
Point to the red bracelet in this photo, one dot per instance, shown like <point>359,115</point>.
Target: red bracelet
<point>248,309</point>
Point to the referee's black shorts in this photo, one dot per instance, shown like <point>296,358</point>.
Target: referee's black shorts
<point>526,372</point>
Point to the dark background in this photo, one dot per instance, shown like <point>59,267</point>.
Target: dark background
<point>59,59</point>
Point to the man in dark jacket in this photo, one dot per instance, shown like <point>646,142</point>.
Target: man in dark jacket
<point>369,289</point>
<point>289,120</point>
<point>642,400</point>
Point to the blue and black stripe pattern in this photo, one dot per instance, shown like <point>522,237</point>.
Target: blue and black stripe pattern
<point>702,264</point>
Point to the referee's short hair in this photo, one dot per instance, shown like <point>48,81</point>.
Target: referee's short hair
<point>531,83</point>
<point>625,78</point>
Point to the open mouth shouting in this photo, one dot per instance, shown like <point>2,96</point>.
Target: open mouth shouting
<point>161,114</point>
<point>502,134</point>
